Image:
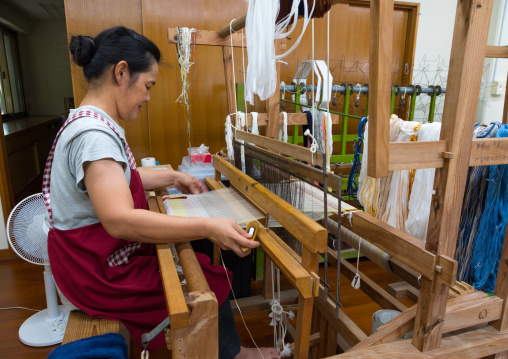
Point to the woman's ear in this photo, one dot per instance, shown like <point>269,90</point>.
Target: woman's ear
<point>121,72</point>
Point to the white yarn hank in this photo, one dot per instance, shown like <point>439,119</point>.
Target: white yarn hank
<point>421,194</point>
<point>229,137</point>
<point>255,128</point>
<point>261,32</point>
<point>184,54</point>
<point>368,187</point>
<point>283,130</point>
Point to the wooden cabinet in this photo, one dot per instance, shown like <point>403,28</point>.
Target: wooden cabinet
<point>28,141</point>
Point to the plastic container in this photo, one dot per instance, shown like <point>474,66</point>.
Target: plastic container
<point>383,316</point>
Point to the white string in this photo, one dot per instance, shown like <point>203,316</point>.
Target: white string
<point>313,148</point>
<point>244,71</point>
<point>237,306</point>
<point>34,310</point>
<point>329,139</point>
<point>229,137</point>
<point>283,130</point>
<point>233,61</point>
<point>255,128</point>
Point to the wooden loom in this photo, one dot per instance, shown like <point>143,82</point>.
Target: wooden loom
<point>452,155</point>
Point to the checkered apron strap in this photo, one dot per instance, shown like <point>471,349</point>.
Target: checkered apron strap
<point>49,163</point>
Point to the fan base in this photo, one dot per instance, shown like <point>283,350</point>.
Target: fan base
<point>39,331</point>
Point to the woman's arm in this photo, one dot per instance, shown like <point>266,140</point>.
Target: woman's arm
<point>112,200</point>
<point>186,183</point>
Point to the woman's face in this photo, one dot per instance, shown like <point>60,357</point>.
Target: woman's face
<point>136,93</point>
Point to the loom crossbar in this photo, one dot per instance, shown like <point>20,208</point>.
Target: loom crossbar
<point>175,300</point>
<point>402,246</point>
<point>312,235</point>
<point>299,152</point>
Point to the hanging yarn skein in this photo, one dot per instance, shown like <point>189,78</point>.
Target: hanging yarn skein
<point>368,187</point>
<point>261,31</point>
<point>490,237</point>
<point>472,207</point>
<point>421,193</point>
<point>183,50</point>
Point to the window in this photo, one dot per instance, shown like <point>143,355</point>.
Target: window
<point>12,100</point>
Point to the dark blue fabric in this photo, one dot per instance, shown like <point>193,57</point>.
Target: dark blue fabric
<point>229,340</point>
<point>106,346</point>
<point>304,128</point>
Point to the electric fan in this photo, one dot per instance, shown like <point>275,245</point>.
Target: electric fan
<point>27,232</point>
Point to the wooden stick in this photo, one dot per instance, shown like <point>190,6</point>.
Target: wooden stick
<point>211,38</point>
<point>229,75</point>
<point>497,52</point>
<point>196,281</point>
<point>415,155</point>
<point>236,25</point>
<point>489,151</point>
<point>312,235</point>
<point>175,300</point>
<point>380,62</point>
<point>273,103</point>
<point>464,79</point>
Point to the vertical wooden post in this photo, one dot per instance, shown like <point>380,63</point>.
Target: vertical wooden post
<point>505,109</point>
<point>464,78</point>
<point>203,328</point>
<point>501,290</point>
<point>6,194</point>
<point>304,321</point>
<point>228,75</point>
<point>380,59</point>
<point>273,103</point>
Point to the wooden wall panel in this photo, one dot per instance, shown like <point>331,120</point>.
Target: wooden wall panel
<point>207,93</point>
<point>89,18</point>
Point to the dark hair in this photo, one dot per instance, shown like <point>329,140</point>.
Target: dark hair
<point>109,48</point>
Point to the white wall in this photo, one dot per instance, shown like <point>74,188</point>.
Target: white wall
<point>490,107</point>
<point>45,67</point>
<point>3,233</point>
<point>432,54</point>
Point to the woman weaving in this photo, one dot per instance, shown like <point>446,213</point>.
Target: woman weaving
<point>101,242</point>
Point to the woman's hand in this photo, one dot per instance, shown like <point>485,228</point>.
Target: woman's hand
<point>228,234</point>
<point>188,184</point>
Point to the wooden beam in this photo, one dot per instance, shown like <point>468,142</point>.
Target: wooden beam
<point>476,343</point>
<point>258,302</point>
<point>348,329</point>
<point>415,155</point>
<point>464,79</point>
<point>273,102</point>
<point>497,52</point>
<point>228,76</point>
<point>236,25</point>
<point>303,322</point>
<point>472,313</point>
<point>196,281</point>
<point>505,108</point>
<point>212,38</point>
<point>293,271</point>
<point>367,285</point>
<point>309,233</point>
<point>400,245</point>
<point>489,151</point>
<point>289,149</point>
<point>203,328</point>
<point>501,289</point>
<point>380,72</point>
<point>175,300</point>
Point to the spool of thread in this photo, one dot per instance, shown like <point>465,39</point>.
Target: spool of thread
<point>149,161</point>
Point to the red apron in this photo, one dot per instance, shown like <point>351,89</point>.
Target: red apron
<point>112,278</point>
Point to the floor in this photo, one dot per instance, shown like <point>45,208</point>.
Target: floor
<point>22,285</point>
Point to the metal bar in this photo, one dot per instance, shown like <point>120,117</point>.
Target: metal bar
<point>392,103</point>
<point>432,107</point>
<point>412,105</point>
<point>297,110</point>
<point>322,109</point>
<point>363,89</point>
<point>344,124</point>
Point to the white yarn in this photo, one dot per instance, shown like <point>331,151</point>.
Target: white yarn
<point>283,130</point>
<point>260,28</point>
<point>421,193</point>
<point>255,128</point>
<point>229,137</point>
<point>368,187</point>
<point>261,32</point>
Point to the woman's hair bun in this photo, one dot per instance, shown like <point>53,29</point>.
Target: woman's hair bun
<point>82,49</point>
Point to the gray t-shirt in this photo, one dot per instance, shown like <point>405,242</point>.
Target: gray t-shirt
<point>85,139</point>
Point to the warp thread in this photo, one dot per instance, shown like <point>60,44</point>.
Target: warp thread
<point>472,207</point>
<point>490,237</point>
<point>320,9</point>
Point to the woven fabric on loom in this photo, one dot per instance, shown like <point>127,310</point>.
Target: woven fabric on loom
<point>227,203</point>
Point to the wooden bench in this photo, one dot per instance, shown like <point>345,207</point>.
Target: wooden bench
<point>80,326</point>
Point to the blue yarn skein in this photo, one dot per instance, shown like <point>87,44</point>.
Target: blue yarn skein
<point>473,207</point>
<point>489,240</point>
